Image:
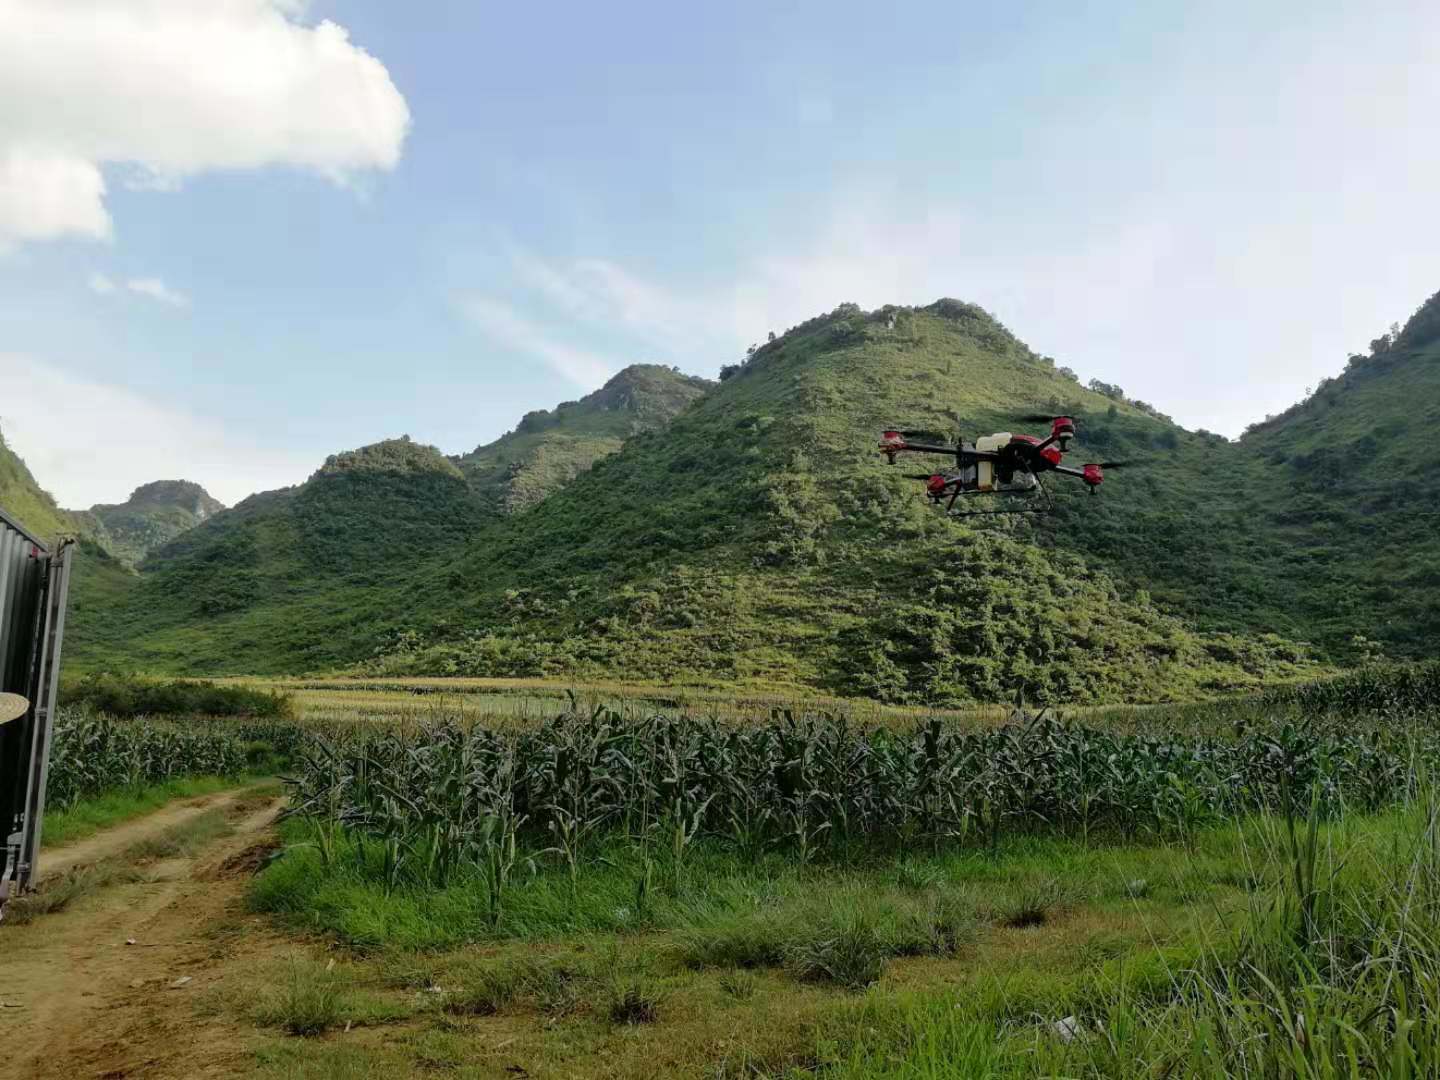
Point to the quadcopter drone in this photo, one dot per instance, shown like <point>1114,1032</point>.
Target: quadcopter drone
<point>1000,464</point>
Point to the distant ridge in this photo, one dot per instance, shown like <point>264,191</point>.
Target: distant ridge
<point>154,514</point>
<point>550,447</point>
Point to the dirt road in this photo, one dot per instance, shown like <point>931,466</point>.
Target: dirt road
<point>114,985</point>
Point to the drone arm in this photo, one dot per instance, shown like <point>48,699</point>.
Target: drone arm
<point>1093,475</point>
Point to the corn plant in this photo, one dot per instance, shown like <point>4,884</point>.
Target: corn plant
<point>442,797</point>
<point>91,754</point>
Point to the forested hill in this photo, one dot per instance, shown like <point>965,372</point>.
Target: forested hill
<point>758,538</point>
<point>1348,484</point>
<point>273,583</point>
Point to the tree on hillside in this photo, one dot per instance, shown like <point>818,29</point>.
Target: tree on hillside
<point>1423,327</point>
<point>1109,390</point>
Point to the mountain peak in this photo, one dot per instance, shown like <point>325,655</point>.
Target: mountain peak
<point>154,514</point>
<point>550,447</point>
<point>653,393</point>
<point>176,494</point>
<point>401,456</point>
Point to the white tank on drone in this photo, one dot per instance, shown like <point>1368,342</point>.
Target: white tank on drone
<point>989,444</point>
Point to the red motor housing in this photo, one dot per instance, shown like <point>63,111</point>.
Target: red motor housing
<point>1093,475</point>
<point>891,442</point>
<point>1062,430</point>
<point>935,485</point>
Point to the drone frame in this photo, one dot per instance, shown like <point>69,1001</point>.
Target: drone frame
<point>1047,453</point>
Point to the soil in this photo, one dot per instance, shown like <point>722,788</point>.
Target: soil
<point>114,985</point>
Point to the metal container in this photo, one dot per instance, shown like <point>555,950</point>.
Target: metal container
<point>34,582</point>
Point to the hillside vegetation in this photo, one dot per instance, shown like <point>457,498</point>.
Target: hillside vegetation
<point>312,576</point>
<point>760,538</point>
<point>757,538</point>
<point>1348,488</point>
<point>26,501</point>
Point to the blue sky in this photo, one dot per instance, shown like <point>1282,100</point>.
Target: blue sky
<point>1210,204</point>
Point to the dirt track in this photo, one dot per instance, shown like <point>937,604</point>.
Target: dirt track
<point>110,842</point>
<point>95,991</point>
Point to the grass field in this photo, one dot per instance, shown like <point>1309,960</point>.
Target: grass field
<point>1172,958</point>
<point>499,878</point>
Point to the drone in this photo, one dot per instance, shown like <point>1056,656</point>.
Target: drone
<point>999,464</point>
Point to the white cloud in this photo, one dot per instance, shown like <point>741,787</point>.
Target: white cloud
<point>45,193</point>
<point>88,442</point>
<point>504,324</point>
<point>175,88</point>
<point>152,288</point>
<point>156,289</point>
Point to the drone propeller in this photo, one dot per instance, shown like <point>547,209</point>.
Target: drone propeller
<point>939,436</point>
<point>1118,464</point>
<point>1037,418</point>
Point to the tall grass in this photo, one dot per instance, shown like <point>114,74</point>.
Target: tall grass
<point>1334,972</point>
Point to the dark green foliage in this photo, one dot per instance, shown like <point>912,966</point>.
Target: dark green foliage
<point>1423,329</point>
<point>1348,489</point>
<point>127,696</point>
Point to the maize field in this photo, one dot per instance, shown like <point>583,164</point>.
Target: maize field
<point>425,802</point>
<point>94,753</point>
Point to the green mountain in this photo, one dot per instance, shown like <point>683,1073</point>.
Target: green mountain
<point>758,538</point>
<point>1346,481</point>
<point>268,576</point>
<point>310,577</point>
<point>154,514</point>
<point>549,448</point>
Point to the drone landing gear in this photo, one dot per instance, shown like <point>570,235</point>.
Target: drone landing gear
<point>1045,507</point>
